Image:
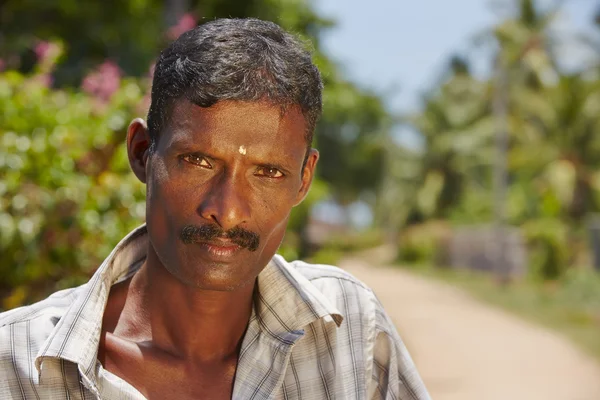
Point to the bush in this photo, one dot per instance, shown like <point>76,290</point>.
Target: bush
<point>329,256</point>
<point>67,195</point>
<point>548,247</point>
<point>355,241</point>
<point>424,243</point>
<point>580,288</point>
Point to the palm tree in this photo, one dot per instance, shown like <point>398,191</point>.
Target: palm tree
<point>430,182</point>
<point>564,127</point>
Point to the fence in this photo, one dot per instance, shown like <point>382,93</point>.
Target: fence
<point>487,248</point>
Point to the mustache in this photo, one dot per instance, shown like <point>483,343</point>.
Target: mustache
<point>240,236</point>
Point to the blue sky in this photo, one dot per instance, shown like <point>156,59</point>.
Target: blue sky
<point>399,47</point>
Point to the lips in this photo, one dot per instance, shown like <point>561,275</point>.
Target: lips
<point>221,249</point>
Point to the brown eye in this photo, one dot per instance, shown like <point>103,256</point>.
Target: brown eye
<point>269,172</point>
<point>196,160</point>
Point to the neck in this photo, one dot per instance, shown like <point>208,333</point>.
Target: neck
<point>187,322</point>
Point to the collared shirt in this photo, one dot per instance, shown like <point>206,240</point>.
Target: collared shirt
<point>316,332</point>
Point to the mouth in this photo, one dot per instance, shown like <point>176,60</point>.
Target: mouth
<point>220,249</point>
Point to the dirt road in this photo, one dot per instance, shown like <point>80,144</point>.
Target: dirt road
<point>466,350</point>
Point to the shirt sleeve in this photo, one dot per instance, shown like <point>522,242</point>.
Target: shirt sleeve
<point>394,375</point>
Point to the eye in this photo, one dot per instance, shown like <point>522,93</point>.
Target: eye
<point>269,172</point>
<point>196,160</point>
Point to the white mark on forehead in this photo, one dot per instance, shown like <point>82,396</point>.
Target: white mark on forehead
<point>242,150</point>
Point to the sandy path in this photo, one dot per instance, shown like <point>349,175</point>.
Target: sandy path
<point>466,350</point>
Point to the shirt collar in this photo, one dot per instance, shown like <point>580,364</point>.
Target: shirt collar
<point>287,302</point>
<point>76,336</point>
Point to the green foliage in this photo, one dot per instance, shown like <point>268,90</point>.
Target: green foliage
<point>340,244</point>
<point>67,193</point>
<point>580,289</point>
<point>355,241</point>
<point>552,120</point>
<point>133,35</point>
<point>424,244</point>
<point>326,255</point>
<point>129,32</point>
<point>548,247</point>
<point>351,142</point>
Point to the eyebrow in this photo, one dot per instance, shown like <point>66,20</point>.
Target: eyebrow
<point>186,146</point>
<point>179,143</point>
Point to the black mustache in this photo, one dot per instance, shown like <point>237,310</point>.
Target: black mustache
<point>240,236</point>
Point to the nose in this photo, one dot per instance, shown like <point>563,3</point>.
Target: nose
<point>226,203</point>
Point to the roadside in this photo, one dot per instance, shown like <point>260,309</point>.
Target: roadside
<point>570,307</point>
<point>468,350</point>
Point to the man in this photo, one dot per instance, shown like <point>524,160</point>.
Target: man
<point>195,304</point>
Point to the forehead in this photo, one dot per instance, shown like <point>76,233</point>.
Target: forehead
<point>253,123</point>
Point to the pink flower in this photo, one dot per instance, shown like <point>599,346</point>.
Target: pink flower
<point>47,54</point>
<point>43,50</point>
<point>185,23</point>
<point>103,82</point>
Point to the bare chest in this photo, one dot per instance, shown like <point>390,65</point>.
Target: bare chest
<point>160,377</point>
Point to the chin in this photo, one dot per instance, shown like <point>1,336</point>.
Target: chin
<point>215,277</point>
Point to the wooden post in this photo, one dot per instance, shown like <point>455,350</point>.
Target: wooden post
<point>500,110</point>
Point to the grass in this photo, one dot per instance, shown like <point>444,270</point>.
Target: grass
<point>570,306</point>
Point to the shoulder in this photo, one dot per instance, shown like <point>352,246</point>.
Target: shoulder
<point>334,281</point>
<point>349,294</point>
<point>319,273</point>
<point>26,328</point>
<point>54,305</point>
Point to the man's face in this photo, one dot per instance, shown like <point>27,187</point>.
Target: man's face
<point>220,187</point>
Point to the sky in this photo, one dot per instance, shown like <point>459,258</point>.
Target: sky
<point>400,47</point>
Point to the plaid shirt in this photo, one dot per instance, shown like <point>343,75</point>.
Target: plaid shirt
<point>316,333</point>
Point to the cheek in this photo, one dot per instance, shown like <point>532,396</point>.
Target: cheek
<point>164,201</point>
<point>168,188</point>
<point>271,220</point>
<point>272,208</point>
<point>158,184</point>
<point>272,240</point>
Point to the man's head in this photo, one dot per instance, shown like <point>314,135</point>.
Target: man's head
<point>226,153</point>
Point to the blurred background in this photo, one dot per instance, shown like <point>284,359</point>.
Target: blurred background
<point>460,147</point>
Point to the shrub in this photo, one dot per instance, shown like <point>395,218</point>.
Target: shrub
<point>424,243</point>
<point>548,247</point>
<point>355,241</point>
<point>580,289</point>
<point>329,256</point>
<point>67,195</point>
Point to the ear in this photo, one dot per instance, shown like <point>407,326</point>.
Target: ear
<point>307,175</point>
<point>138,147</point>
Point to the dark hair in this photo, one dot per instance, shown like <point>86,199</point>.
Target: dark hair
<point>235,59</point>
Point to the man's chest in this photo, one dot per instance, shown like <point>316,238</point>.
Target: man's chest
<point>162,377</point>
